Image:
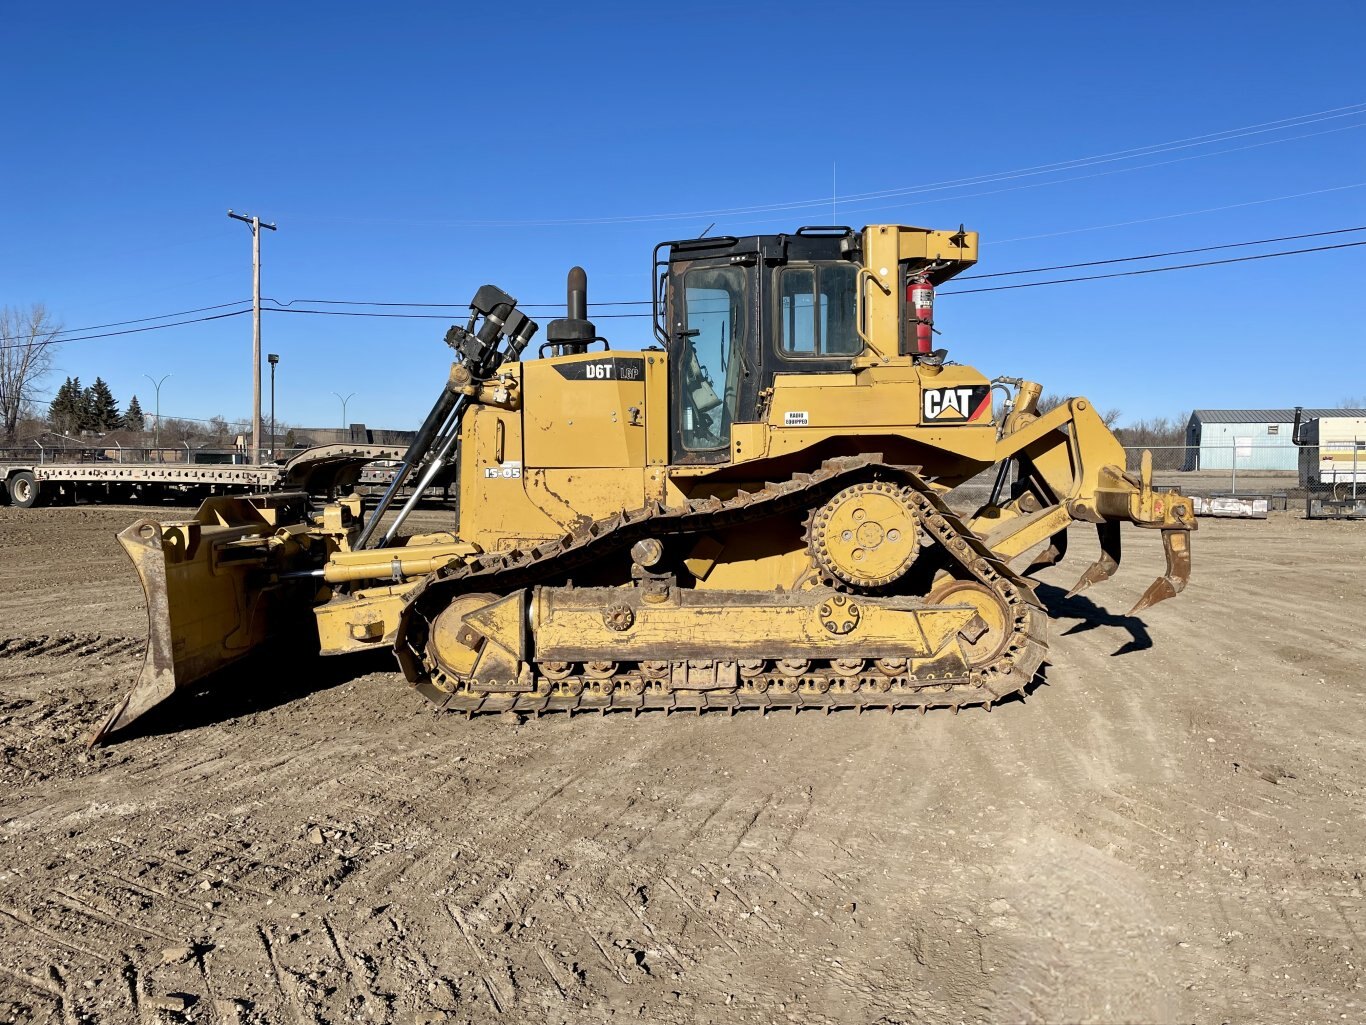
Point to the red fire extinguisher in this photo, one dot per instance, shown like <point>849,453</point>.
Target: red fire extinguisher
<point>920,311</point>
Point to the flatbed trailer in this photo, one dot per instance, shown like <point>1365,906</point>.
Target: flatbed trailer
<point>319,470</point>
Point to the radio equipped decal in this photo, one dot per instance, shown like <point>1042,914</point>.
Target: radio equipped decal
<point>957,405</point>
<point>606,368</point>
<point>796,418</point>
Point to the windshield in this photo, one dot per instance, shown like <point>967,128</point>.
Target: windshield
<point>710,354</point>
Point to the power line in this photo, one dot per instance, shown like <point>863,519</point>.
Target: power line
<point>135,330</point>
<point>996,288</point>
<point>364,313</point>
<point>865,209</point>
<point>282,306</point>
<point>1158,256</point>
<point>361,302</point>
<point>157,327</point>
<point>1152,149</point>
<point>287,307</point>
<point>1154,270</point>
<point>120,323</point>
<point>967,291</point>
<point>1101,174</point>
<point>1168,217</point>
<point>647,302</point>
<point>437,316</point>
<point>159,316</point>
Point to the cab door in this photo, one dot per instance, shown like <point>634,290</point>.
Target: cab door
<point>712,349</point>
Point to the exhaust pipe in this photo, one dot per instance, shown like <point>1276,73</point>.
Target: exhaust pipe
<point>570,336</point>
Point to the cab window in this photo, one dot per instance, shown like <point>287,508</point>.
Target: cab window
<point>817,309</point>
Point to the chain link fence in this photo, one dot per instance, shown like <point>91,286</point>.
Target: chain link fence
<point>1250,466</point>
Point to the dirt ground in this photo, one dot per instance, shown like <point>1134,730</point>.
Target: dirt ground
<point>1170,828</point>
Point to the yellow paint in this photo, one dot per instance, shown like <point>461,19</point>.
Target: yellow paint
<point>570,626</point>
<point>591,422</point>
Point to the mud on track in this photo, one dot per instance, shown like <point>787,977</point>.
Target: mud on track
<point>1170,829</point>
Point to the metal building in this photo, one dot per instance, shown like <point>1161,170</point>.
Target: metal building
<point>1247,439</point>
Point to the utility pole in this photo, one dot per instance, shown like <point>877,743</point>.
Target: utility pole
<point>256,225</point>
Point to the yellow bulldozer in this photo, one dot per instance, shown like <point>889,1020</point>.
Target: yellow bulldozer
<point>760,509</point>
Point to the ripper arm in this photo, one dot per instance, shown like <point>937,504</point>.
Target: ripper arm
<point>1071,467</point>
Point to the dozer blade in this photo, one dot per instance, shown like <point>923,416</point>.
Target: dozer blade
<point>1104,567</point>
<point>210,595</point>
<point>1177,546</point>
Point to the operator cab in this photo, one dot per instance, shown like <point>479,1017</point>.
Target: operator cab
<point>733,312</point>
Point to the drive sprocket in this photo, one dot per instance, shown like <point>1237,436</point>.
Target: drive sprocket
<point>866,536</point>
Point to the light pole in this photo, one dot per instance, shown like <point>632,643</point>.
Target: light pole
<point>274,359</point>
<point>157,385</point>
<point>344,402</point>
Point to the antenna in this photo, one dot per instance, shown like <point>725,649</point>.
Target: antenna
<point>833,217</point>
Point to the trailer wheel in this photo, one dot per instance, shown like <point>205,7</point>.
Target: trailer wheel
<point>23,490</point>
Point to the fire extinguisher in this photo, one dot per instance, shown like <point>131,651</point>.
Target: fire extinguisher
<point>920,311</point>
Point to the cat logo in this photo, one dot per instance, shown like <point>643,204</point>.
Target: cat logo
<point>959,405</point>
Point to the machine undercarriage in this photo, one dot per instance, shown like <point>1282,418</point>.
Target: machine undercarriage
<point>652,641</point>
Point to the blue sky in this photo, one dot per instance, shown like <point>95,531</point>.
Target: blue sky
<point>409,153</point>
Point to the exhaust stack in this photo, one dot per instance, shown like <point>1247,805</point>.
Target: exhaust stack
<point>570,336</point>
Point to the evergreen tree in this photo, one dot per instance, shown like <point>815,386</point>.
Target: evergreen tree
<point>86,409</point>
<point>133,419</point>
<point>102,411</point>
<point>67,409</point>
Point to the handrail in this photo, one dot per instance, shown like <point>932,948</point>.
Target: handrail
<point>859,307</point>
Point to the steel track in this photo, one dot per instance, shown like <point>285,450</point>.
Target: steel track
<point>633,687</point>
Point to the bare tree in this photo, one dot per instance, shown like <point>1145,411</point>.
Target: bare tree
<point>217,428</point>
<point>28,340</point>
<point>1051,401</point>
<point>1157,432</point>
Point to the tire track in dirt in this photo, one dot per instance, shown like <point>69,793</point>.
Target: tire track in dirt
<point>79,645</point>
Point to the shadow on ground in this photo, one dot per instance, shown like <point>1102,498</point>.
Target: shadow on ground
<point>264,680</point>
<point>1089,615</point>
